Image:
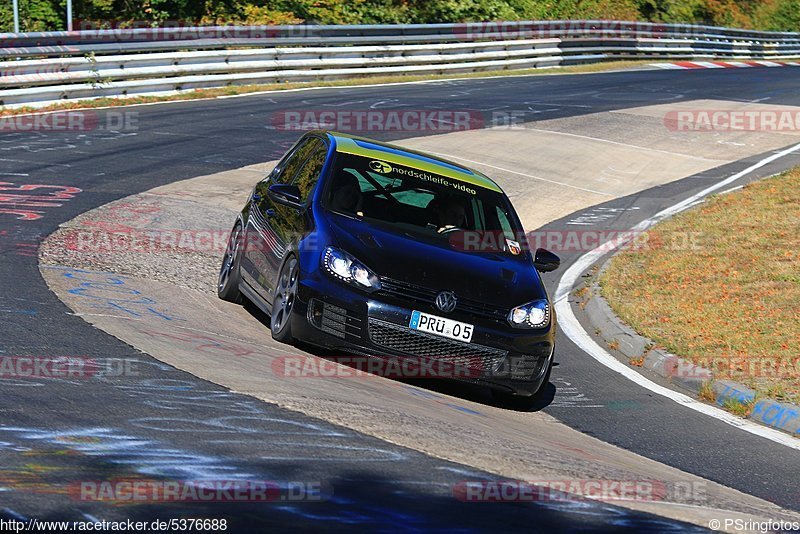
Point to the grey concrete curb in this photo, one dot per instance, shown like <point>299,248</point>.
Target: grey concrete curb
<point>683,373</point>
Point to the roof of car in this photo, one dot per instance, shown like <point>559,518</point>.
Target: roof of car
<point>368,148</point>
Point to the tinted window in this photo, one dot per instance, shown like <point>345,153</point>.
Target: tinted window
<point>297,158</point>
<point>415,201</point>
<point>411,197</point>
<point>308,175</point>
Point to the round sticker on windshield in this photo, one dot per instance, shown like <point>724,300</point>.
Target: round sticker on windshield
<point>380,166</point>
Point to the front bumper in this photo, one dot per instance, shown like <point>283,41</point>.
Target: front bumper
<point>334,316</point>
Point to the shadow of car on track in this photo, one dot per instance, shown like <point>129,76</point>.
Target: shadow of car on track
<point>464,390</point>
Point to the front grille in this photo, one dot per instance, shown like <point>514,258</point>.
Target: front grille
<point>417,293</point>
<point>405,340</point>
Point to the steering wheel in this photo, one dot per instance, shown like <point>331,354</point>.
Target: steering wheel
<point>449,228</point>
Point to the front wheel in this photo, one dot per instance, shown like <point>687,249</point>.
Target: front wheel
<point>283,302</point>
<point>228,281</point>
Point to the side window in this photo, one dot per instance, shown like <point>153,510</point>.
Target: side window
<point>296,159</point>
<point>308,175</point>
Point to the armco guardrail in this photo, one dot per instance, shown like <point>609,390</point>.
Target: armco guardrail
<point>42,68</point>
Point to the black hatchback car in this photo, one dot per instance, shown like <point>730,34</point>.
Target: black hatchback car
<point>361,246</point>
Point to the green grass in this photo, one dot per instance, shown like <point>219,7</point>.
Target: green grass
<point>731,301</point>
<point>232,90</point>
<point>737,407</point>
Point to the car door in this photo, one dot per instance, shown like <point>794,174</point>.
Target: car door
<point>260,242</point>
<point>272,226</point>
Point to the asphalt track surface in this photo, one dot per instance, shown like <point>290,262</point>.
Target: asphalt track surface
<point>377,485</point>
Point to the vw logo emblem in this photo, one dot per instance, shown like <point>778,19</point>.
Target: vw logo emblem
<point>446,301</point>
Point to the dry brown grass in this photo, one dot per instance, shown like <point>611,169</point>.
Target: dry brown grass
<point>733,303</point>
<point>706,392</point>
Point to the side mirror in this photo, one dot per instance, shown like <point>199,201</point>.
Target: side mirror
<point>545,261</point>
<point>285,194</point>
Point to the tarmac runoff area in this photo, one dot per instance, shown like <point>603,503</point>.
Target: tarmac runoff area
<point>164,303</point>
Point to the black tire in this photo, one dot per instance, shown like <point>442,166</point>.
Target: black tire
<point>228,280</point>
<point>280,321</point>
<point>520,402</point>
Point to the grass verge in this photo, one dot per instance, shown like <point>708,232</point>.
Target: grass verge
<point>232,90</point>
<point>720,285</point>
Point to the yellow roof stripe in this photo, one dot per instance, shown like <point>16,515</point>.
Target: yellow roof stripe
<point>347,145</point>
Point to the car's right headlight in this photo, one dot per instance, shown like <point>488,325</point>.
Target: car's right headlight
<point>534,314</point>
<point>346,268</point>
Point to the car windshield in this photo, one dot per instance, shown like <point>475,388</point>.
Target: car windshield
<point>418,202</point>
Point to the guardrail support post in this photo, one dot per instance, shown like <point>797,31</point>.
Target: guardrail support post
<point>15,4</point>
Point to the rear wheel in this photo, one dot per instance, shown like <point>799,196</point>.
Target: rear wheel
<point>283,302</point>
<point>228,282</point>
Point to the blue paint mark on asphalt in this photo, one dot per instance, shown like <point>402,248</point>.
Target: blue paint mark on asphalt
<point>422,393</point>
<point>22,312</point>
<point>110,292</point>
<point>464,409</point>
<point>441,400</point>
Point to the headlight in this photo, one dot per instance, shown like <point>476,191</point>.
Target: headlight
<point>534,314</point>
<point>346,268</point>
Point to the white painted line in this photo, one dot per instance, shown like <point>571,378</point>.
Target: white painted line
<point>572,328</point>
<point>503,169</point>
<point>637,147</point>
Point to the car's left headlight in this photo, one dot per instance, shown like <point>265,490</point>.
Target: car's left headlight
<point>534,314</point>
<point>346,268</point>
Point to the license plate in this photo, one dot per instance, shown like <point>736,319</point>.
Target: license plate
<point>440,326</point>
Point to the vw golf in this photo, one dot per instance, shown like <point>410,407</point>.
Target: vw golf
<point>361,246</point>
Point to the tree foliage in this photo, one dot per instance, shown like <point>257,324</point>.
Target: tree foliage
<point>40,15</point>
